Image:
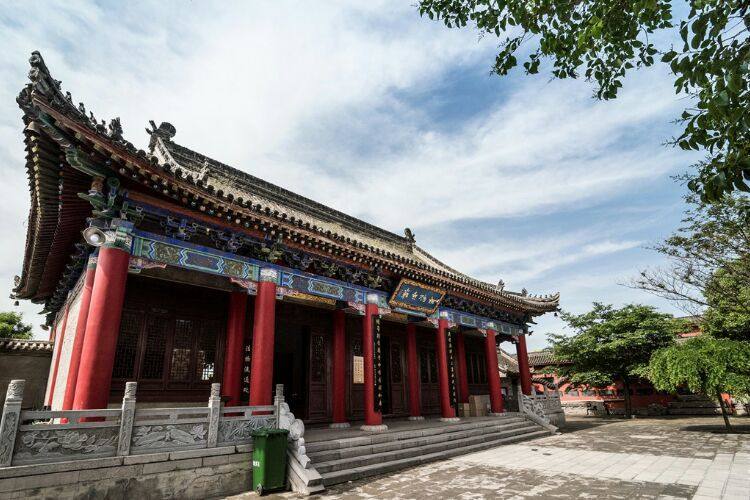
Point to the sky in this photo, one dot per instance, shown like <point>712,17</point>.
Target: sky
<point>377,112</point>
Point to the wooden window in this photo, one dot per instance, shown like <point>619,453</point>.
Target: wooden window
<point>127,344</point>
<point>155,342</point>
<point>171,339</point>
<point>476,369</point>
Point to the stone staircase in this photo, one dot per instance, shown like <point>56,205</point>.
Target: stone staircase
<point>693,404</point>
<point>351,458</point>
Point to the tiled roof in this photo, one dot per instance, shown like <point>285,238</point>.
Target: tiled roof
<point>539,358</point>
<point>24,345</point>
<point>56,129</point>
<point>507,362</point>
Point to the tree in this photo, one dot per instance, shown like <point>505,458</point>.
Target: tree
<point>612,345</point>
<point>11,326</point>
<point>604,39</point>
<point>728,316</point>
<point>704,365</point>
<point>708,258</point>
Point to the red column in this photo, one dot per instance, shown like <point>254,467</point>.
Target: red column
<point>339,369</point>
<point>373,419</point>
<point>415,387</point>
<point>59,338</point>
<point>463,379</point>
<point>264,325</point>
<point>446,410</point>
<point>523,364</point>
<point>233,354</point>
<point>493,374</point>
<point>102,326</point>
<point>75,354</point>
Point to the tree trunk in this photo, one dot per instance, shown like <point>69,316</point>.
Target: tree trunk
<point>724,413</point>
<point>628,403</point>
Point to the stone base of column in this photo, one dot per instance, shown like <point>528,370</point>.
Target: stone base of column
<point>490,414</point>
<point>374,428</point>
<point>450,419</point>
<point>417,418</point>
<point>339,425</point>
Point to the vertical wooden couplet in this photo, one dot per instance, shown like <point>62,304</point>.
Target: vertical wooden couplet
<point>377,378</point>
<point>373,415</point>
<point>447,411</point>
<point>451,372</point>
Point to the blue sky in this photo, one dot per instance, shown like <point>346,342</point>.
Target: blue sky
<point>382,114</point>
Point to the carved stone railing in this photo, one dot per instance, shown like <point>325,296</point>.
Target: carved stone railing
<point>302,476</point>
<point>534,411</point>
<point>31,437</point>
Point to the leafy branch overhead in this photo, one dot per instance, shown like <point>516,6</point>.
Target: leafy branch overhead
<point>601,40</point>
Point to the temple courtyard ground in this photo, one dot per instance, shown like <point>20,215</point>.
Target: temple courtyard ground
<point>591,458</point>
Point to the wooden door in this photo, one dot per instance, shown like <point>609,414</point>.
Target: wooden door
<point>318,403</point>
<point>428,377</point>
<point>397,377</point>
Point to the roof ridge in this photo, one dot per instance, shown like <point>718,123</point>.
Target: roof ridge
<point>273,190</point>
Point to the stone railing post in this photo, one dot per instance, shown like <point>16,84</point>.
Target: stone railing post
<point>126,419</point>
<point>214,412</point>
<point>10,420</point>
<point>278,399</point>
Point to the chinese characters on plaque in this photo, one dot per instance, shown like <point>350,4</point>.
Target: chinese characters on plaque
<point>414,296</point>
<point>358,370</point>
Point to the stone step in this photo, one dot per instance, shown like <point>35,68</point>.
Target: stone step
<point>694,411</point>
<point>418,447</point>
<point>692,397</point>
<point>693,404</point>
<point>413,439</point>
<point>352,474</point>
<point>377,438</point>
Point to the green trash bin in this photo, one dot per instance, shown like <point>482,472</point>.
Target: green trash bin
<point>269,459</point>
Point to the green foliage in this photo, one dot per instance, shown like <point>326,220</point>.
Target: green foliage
<point>604,39</point>
<point>728,298</point>
<point>612,344</point>
<point>12,327</point>
<point>704,365</point>
<point>708,258</point>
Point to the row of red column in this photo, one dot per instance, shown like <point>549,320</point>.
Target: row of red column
<point>93,350</point>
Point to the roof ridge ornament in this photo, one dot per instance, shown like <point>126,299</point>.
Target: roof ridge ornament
<point>166,131</point>
<point>410,238</point>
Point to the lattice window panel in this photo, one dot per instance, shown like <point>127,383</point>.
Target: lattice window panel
<point>156,343</point>
<point>396,373</point>
<point>317,358</point>
<point>182,350</point>
<point>127,345</point>
<point>205,362</point>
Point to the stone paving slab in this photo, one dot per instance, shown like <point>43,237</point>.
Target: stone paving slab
<point>592,458</point>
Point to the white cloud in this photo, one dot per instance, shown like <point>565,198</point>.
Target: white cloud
<point>309,99</point>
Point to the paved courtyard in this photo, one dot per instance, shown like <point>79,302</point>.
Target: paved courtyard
<point>592,458</point>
